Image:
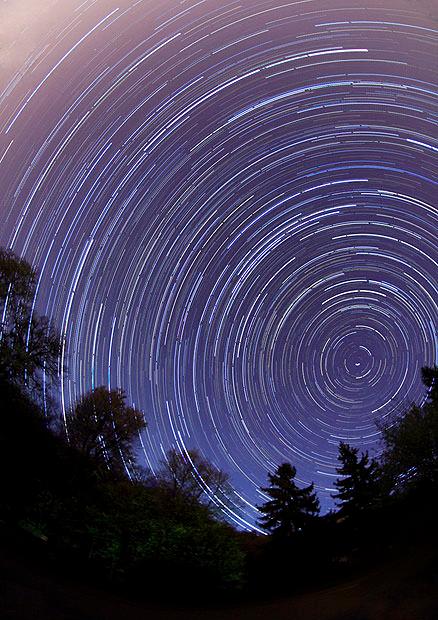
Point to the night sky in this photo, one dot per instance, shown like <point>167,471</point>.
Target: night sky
<point>231,208</point>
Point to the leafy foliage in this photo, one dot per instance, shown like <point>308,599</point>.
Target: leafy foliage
<point>129,531</point>
<point>410,455</point>
<point>103,427</point>
<point>28,343</point>
<point>133,531</point>
<point>194,479</point>
<point>429,376</point>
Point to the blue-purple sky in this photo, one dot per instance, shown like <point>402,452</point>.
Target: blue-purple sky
<point>231,208</point>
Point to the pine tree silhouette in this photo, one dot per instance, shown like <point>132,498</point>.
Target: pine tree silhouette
<point>290,509</point>
<point>358,488</point>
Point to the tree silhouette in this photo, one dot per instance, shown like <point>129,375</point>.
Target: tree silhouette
<point>28,343</point>
<point>429,376</point>
<point>410,454</point>
<point>192,478</point>
<point>358,489</point>
<point>103,428</point>
<point>290,509</point>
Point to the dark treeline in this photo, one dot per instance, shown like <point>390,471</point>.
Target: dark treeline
<point>384,507</point>
<point>77,491</point>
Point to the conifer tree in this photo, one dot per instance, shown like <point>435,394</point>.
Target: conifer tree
<point>290,509</point>
<point>358,489</point>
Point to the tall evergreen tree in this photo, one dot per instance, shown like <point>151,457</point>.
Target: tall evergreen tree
<point>358,489</point>
<point>290,509</point>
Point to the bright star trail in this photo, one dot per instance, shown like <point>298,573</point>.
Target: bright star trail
<point>232,209</point>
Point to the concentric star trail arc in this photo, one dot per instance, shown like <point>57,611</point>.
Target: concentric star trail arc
<point>232,209</point>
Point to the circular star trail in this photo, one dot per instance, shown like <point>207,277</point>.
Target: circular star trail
<point>231,208</point>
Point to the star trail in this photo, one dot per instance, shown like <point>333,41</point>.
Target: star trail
<point>232,209</point>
